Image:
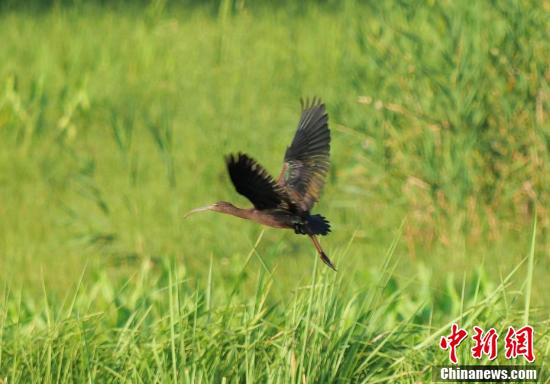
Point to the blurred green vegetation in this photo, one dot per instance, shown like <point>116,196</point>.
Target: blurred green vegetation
<point>114,120</point>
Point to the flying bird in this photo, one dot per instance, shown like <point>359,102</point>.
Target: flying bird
<point>287,201</point>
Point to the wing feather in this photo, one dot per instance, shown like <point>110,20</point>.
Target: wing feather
<point>307,159</point>
<point>253,182</point>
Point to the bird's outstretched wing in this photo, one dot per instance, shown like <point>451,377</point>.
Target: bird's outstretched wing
<point>307,158</point>
<point>252,181</point>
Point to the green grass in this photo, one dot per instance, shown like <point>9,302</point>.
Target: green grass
<point>114,122</point>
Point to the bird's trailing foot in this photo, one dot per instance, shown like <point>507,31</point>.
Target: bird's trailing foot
<point>322,254</point>
<point>327,261</point>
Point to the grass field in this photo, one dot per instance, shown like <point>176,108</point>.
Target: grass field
<point>113,124</point>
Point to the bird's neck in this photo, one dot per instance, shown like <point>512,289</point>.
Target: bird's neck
<point>230,209</point>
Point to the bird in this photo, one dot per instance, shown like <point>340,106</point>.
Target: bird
<point>286,202</point>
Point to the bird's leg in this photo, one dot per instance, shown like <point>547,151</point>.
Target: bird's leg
<point>322,254</point>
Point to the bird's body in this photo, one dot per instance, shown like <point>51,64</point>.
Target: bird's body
<point>287,201</point>
<point>276,218</point>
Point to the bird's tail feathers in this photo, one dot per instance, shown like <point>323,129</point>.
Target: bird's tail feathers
<point>317,225</point>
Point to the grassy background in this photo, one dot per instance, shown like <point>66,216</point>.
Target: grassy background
<point>113,124</point>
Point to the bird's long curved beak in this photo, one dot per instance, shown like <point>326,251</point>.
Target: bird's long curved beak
<point>201,209</point>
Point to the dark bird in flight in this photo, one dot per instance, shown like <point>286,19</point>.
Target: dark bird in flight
<point>287,201</point>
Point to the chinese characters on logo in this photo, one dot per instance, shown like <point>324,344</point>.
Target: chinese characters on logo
<point>452,341</point>
<point>485,344</point>
<point>517,343</point>
<point>520,343</point>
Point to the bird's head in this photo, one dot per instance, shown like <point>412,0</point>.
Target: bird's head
<point>220,206</point>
